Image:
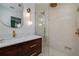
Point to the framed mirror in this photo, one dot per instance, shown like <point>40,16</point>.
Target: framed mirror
<point>11,14</point>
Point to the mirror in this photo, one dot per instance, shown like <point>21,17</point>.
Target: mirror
<point>11,14</point>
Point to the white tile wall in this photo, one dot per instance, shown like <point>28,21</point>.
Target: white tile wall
<point>62,27</point>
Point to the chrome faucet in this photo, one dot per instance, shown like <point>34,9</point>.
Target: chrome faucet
<point>13,33</point>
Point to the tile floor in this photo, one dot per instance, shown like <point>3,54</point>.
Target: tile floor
<point>51,52</point>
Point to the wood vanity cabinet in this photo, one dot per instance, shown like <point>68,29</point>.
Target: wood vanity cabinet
<point>30,48</point>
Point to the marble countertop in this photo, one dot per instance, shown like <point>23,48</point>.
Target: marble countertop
<point>8,42</point>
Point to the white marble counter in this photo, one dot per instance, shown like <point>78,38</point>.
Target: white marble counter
<point>8,42</point>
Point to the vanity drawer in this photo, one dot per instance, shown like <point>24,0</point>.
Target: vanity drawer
<point>34,43</point>
<point>35,46</point>
<point>35,52</point>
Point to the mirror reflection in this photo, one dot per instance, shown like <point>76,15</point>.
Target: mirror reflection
<point>11,14</point>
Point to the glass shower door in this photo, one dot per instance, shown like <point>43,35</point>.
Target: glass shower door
<point>41,25</point>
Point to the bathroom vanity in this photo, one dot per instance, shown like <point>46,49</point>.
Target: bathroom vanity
<point>30,46</point>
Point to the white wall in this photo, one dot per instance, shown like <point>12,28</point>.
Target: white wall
<point>26,29</point>
<point>62,27</point>
<point>6,12</point>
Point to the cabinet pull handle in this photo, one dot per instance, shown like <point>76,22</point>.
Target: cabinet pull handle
<point>33,45</point>
<point>33,54</point>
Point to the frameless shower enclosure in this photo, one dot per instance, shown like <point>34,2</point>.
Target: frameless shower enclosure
<point>41,25</point>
